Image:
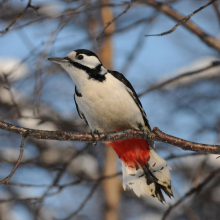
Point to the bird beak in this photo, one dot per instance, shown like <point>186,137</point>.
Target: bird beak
<point>57,60</point>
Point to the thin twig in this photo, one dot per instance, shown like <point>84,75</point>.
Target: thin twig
<point>114,19</point>
<point>20,16</point>
<point>6,180</point>
<point>90,195</point>
<point>198,172</point>
<point>57,178</point>
<point>184,20</point>
<point>12,96</point>
<point>215,4</point>
<point>196,190</point>
<point>40,198</point>
<point>177,78</point>
<point>136,48</point>
<point>76,182</point>
<point>192,27</point>
<point>27,185</point>
<point>173,157</point>
<point>84,201</point>
<point>34,199</point>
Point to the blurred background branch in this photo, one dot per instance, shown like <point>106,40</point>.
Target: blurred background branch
<point>206,38</point>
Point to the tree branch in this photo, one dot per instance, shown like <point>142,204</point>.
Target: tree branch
<point>20,16</point>
<point>114,19</point>
<point>192,27</point>
<point>92,191</point>
<point>157,135</point>
<point>183,20</point>
<point>12,95</point>
<point>57,178</point>
<point>6,180</point>
<point>215,4</point>
<point>174,79</point>
<point>194,190</point>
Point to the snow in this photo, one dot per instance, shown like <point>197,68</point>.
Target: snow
<point>13,68</point>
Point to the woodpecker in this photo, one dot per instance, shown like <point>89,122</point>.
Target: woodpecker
<point>107,102</point>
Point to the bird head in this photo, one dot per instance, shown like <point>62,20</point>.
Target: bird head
<point>81,62</point>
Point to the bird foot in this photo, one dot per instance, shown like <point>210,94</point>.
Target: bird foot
<point>93,136</point>
<point>146,131</point>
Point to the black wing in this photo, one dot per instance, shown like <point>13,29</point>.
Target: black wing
<point>133,94</point>
<point>81,115</point>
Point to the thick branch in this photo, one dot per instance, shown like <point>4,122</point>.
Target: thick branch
<point>192,27</point>
<point>72,136</point>
<point>157,135</point>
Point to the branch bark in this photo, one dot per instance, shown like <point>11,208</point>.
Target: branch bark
<point>157,135</point>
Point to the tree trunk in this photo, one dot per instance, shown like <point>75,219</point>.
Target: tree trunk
<point>111,186</point>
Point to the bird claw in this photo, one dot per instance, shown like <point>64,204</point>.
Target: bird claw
<point>97,132</point>
<point>146,131</point>
<point>93,136</point>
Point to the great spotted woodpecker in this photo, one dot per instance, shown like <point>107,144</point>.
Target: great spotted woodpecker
<point>107,102</point>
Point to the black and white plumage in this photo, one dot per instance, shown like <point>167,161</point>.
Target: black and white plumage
<point>107,102</point>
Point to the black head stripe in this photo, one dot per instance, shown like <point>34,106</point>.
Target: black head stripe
<point>93,73</point>
<point>86,52</point>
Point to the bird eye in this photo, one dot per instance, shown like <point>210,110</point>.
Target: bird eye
<point>80,57</point>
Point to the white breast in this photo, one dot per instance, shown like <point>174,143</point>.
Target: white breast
<point>107,105</point>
